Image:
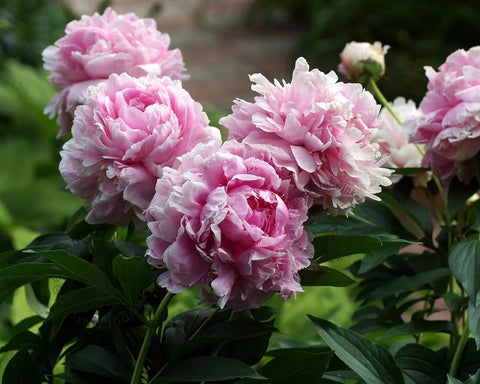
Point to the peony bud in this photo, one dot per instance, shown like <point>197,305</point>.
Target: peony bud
<point>361,60</point>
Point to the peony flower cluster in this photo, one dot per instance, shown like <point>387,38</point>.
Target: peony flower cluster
<point>360,60</point>
<point>318,131</point>
<point>99,45</point>
<point>128,130</point>
<point>230,223</point>
<point>449,126</point>
<point>393,139</point>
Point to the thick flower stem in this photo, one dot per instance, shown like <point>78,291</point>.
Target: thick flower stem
<point>459,351</point>
<point>151,328</point>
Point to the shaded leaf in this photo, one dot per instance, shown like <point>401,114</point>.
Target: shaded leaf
<point>209,369</point>
<point>298,366</point>
<point>421,365</point>
<point>418,326</point>
<point>99,361</point>
<point>371,361</point>
<point>464,261</point>
<point>21,369</point>
<point>132,274</point>
<point>317,276</point>
<point>474,322</point>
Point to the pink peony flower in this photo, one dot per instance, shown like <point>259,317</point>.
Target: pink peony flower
<point>449,126</point>
<point>318,130</point>
<point>355,55</point>
<point>393,139</point>
<point>95,47</point>
<point>128,130</point>
<point>229,223</point>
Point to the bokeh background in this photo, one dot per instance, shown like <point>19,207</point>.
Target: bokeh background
<point>222,41</point>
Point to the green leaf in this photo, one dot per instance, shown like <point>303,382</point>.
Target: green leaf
<point>418,326</point>
<point>458,193</point>
<point>332,247</point>
<point>25,339</point>
<point>405,284</point>
<point>455,302</point>
<point>237,329</point>
<point>421,365</point>
<point>318,276</point>
<point>25,324</point>
<point>464,261</point>
<point>371,361</point>
<point>412,208</point>
<point>77,301</point>
<point>32,300</point>
<point>475,379</point>
<point>299,367</point>
<point>209,369</point>
<point>132,274</point>
<point>474,322</point>
<point>74,267</point>
<point>99,361</point>
<point>21,369</point>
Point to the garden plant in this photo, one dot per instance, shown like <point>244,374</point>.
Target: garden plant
<point>314,182</point>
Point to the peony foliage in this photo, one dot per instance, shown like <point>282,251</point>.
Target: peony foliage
<point>171,269</point>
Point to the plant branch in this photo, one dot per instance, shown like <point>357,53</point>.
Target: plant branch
<point>459,351</point>
<point>137,373</point>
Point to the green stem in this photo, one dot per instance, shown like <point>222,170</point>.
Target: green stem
<point>382,99</point>
<point>459,351</point>
<point>137,373</point>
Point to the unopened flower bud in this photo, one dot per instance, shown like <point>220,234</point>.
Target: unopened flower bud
<point>362,60</point>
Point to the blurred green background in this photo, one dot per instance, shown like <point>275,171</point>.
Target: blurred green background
<point>32,199</point>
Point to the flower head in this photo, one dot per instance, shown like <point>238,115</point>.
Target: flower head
<point>360,60</point>
<point>393,139</point>
<point>229,223</point>
<point>449,125</point>
<point>128,130</point>
<point>95,47</point>
<point>318,131</point>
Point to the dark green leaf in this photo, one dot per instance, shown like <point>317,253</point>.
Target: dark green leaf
<point>455,302</point>
<point>26,339</point>
<point>317,276</point>
<point>464,261</point>
<point>475,379</point>
<point>332,247</point>
<point>418,326</point>
<point>458,193</point>
<point>25,325</point>
<point>371,361</point>
<point>209,369</point>
<point>237,329</point>
<point>412,208</point>
<point>79,300</point>
<point>132,274</point>
<point>474,322</point>
<point>409,171</point>
<point>99,361</point>
<point>421,365</point>
<point>405,284</point>
<point>21,369</point>
<point>299,367</point>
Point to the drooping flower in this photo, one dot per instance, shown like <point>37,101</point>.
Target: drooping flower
<point>449,126</point>
<point>128,130</point>
<point>229,223</point>
<point>95,47</point>
<point>393,139</point>
<point>359,60</point>
<point>318,130</point>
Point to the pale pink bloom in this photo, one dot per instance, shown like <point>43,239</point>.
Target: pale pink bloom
<point>317,130</point>
<point>95,47</point>
<point>128,130</point>
<point>393,139</point>
<point>449,126</point>
<point>229,223</point>
<point>355,54</point>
